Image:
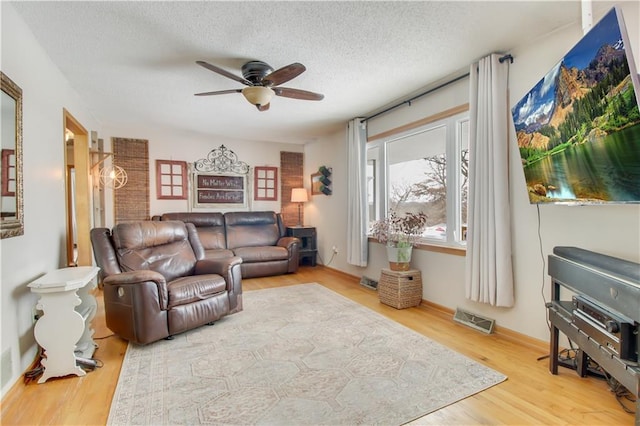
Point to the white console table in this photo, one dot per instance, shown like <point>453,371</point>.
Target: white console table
<point>64,329</point>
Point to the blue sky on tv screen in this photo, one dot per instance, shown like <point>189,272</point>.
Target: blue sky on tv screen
<point>540,100</point>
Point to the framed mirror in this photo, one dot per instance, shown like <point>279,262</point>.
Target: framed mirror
<point>11,203</point>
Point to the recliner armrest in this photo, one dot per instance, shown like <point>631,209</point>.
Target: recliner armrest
<point>139,277</point>
<point>292,244</point>
<point>216,266</point>
<point>229,269</point>
<point>287,242</point>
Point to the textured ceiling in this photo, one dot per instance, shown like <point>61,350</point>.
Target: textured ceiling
<point>135,61</point>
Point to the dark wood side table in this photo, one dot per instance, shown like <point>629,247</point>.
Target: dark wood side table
<point>308,248</point>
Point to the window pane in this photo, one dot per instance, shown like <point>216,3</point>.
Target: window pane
<point>464,176</point>
<point>417,178</point>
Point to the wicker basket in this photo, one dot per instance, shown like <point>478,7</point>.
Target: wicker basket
<point>400,289</point>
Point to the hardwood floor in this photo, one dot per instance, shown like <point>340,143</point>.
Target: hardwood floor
<point>530,396</point>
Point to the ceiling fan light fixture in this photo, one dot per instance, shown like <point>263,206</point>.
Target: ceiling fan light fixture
<point>258,95</point>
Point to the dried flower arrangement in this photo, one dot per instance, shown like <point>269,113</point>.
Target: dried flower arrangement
<point>396,231</point>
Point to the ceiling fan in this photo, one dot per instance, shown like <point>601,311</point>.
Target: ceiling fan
<point>262,83</point>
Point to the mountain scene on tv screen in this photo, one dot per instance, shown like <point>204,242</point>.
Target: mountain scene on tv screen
<point>578,129</point>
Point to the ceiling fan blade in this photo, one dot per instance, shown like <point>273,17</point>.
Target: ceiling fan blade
<point>298,94</point>
<point>219,92</point>
<point>263,107</point>
<point>224,73</point>
<point>283,74</point>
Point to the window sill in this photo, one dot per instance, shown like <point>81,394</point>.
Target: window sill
<point>438,248</point>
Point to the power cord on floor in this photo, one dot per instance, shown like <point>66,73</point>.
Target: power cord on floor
<point>36,369</point>
<point>544,267</point>
<point>104,337</point>
<point>330,260</point>
<point>622,394</point>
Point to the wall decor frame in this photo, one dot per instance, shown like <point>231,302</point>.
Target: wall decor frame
<point>578,128</point>
<point>12,206</point>
<point>220,191</point>
<point>316,184</point>
<point>265,183</point>
<point>8,173</point>
<point>171,180</point>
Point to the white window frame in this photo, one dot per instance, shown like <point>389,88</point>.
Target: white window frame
<point>377,149</point>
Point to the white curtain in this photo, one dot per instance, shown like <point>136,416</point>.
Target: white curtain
<point>489,273</point>
<point>356,193</point>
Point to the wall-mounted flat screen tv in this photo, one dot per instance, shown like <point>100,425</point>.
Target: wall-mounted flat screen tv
<point>578,129</point>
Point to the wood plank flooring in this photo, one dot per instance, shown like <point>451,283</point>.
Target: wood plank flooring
<point>530,396</point>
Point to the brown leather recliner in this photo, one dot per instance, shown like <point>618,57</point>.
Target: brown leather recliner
<point>154,287</point>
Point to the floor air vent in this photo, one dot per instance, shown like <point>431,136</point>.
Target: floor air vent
<point>474,320</point>
<point>369,282</point>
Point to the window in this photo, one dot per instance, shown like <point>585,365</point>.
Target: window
<point>423,169</point>
<point>171,180</point>
<point>266,183</point>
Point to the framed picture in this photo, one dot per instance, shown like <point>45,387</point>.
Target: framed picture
<point>265,183</point>
<point>316,184</point>
<point>220,190</point>
<point>171,180</point>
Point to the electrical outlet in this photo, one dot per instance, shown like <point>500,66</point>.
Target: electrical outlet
<point>334,249</point>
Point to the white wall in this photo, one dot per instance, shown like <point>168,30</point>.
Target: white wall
<point>612,230</point>
<point>166,144</point>
<point>42,247</point>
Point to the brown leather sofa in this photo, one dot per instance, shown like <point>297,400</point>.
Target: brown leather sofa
<point>155,287</point>
<point>259,238</point>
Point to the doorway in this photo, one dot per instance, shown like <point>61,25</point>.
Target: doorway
<point>77,192</point>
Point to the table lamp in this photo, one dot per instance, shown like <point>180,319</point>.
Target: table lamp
<point>299,195</point>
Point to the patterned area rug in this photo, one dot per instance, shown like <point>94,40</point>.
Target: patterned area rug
<point>299,355</point>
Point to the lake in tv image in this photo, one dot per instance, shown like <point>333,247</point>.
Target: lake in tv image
<point>578,129</point>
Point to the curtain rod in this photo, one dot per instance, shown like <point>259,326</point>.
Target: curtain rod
<point>408,101</point>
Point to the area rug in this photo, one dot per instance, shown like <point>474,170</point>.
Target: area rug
<point>297,355</point>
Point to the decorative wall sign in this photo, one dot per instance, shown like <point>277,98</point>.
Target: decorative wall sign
<point>221,160</point>
<point>220,190</point>
<point>265,183</point>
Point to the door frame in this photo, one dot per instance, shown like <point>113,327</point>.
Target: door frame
<point>80,161</point>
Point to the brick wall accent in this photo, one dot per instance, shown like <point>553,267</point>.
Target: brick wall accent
<point>291,171</point>
<point>132,200</point>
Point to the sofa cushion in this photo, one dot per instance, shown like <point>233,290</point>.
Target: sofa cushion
<point>218,254</point>
<point>186,290</point>
<point>261,254</point>
<point>210,227</point>
<point>251,229</point>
